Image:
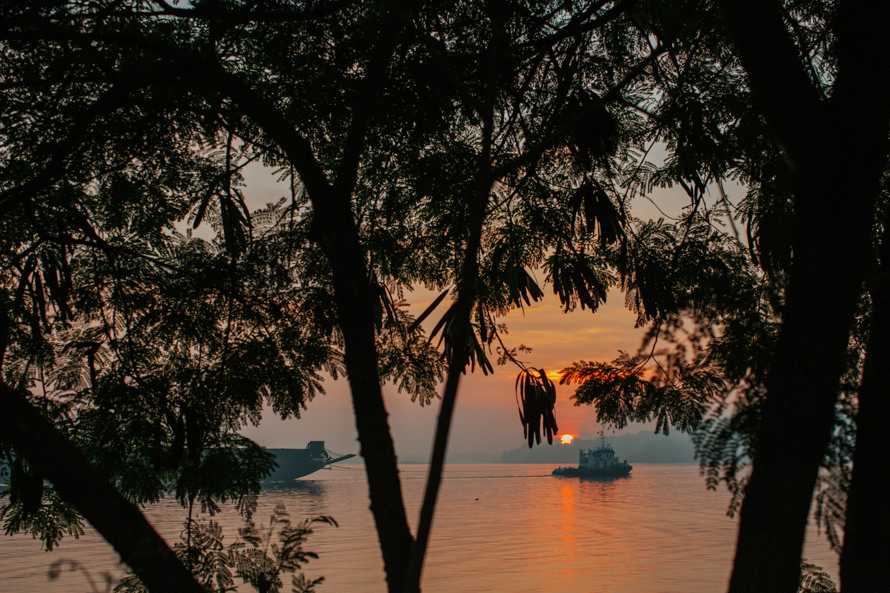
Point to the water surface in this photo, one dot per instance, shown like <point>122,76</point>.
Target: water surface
<point>499,528</point>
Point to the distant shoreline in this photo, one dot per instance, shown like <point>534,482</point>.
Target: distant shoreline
<point>639,447</point>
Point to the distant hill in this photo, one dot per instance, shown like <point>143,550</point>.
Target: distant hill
<point>641,447</point>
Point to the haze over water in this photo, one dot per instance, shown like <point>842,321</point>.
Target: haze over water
<point>499,528</point>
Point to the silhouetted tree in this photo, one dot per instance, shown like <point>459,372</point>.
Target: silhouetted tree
<point>812,95</point>
<point>447,145</point>
<point>835,140</point>
<point>459,146</point>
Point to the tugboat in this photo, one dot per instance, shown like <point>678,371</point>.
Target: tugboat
<point>599,462</point>
<point>296,463</point>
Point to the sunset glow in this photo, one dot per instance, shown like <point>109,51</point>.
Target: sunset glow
<point>554,376</point>
<point>567,439</point>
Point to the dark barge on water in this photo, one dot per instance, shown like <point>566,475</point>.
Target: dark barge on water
<point>296,463</point>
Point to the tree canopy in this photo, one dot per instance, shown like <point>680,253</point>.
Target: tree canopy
<point>148,313</point>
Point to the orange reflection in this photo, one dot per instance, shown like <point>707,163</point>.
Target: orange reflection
<point>567,495</point>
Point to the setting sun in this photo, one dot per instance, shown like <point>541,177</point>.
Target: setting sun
<point>554,376</point>
<point>567,439</point>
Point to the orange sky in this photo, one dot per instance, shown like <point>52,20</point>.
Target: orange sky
<point>486,418</point>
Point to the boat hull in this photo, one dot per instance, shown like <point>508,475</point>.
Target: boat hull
<point>293,464</point>
<point>575,472</point>
<point>297,463</point>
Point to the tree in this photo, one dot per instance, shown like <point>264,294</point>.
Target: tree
<point>811,83</point>
<point>837,146</point>
<point>500,125</point>
<point>455,146</point>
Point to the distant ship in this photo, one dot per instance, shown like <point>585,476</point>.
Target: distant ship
<point>296,463</point>
<point>599,462</point>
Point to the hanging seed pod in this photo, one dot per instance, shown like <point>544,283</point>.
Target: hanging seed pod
<point>536,399</point>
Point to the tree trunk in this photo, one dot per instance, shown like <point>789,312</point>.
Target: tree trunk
<point>118,520</point>
<point>836,148</point>
<point>462,337</point>
<point>466,298</point>
<point>354,299</point>
<point>798,415</point>
<point>866,545</point>
<point>337,233</point>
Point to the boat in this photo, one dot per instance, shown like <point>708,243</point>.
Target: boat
<point>297,463</point>
<point>599,462</point>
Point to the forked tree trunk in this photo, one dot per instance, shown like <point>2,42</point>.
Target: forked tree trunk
<point>798,415</point>
<point>837,148</point>
<point>336,232</point>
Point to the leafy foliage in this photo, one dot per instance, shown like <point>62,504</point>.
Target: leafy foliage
<point>702,298</point>
<point>48,522</point>
<point>414,140</point>
<point>621,394</point>
<point>813,579</point>
<point>133,376</point>
<point>831,502</point>
<point>259,557</point>
<point>463,147</point>
<point>407,358</point>
<point>481,334</point>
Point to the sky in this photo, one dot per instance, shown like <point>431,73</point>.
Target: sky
<point>486,420</point>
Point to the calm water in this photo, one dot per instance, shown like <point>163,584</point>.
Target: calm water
<point>499,528</point>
